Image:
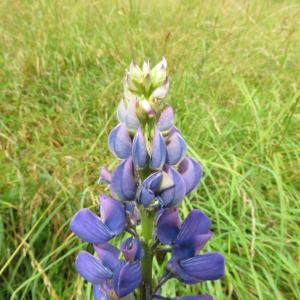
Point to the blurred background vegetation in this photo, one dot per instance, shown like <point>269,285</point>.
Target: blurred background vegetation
<point>234,68</point>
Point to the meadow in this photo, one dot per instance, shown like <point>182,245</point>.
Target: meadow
<point>235,86</point>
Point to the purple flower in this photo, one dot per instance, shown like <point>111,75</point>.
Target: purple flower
<point>208,266</point>
<point>191,173</point>
<point>149,188</point>
<point>166,186</point>
<point>166,119</point>
<point>127,114</point>
<point>133,214</point>
<point>92,229</point>
<point>119,142</point>
<point>125,276</point>
<point>108,254</point>
<point>168,225</point>
<point>91,268</point>
<point>132,249</point>
<point>112,214</point>
<point>187,240</point>
<point>123,184</point>
<point>148,185</point>
<point>139,150</point>
<point>158,152</point>
<point>176,147</point>
<point>105,176</point>
<point>102,291</point>
<point>122,112</point>
<point>173,196</point>
<point>132,121</point>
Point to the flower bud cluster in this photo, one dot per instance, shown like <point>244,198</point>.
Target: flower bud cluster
<point>152,179</point>
<point>149,86</point>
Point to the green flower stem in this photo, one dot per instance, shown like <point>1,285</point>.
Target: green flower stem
<point>147,222</point>
<point>147,219</point>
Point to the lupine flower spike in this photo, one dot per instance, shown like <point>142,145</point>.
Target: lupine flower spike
<point>147,187</point>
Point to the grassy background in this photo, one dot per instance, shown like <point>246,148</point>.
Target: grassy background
<point>234,68</point>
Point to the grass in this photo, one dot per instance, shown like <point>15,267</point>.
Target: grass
<point>234,68</point>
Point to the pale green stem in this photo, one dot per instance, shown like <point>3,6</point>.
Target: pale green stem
<point>147,219</point>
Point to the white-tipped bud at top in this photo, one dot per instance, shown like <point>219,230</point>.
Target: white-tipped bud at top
<point>164,62</point>
<point>148,86</point>
<point>161,65</point>
<point>162,91</point>
<point>147,82</point>
<point>133,79</point>
<point>145,105</point>
<point>146,67</point>
<point>135,72</point>
<point>159,73</point>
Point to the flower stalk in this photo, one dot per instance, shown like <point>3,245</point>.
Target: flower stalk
<point>147,219</point>
<point>147,188</point>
